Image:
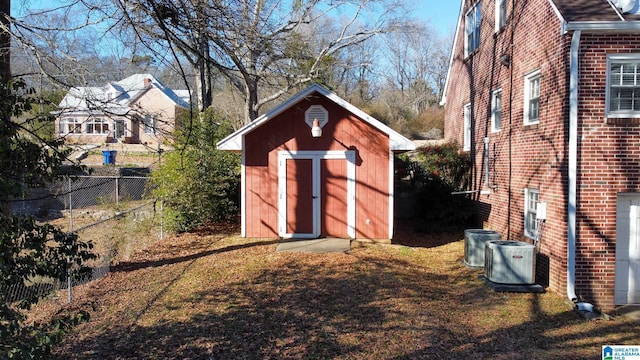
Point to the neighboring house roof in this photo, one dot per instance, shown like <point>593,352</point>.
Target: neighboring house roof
<point>117,96</point>
<point>234,142</point>
<point>185,95</point>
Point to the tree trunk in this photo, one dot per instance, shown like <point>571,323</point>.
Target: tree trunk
<point>5,42</point>
<point>206,80</point>
<point>250,112</point>
<point>5,69</point>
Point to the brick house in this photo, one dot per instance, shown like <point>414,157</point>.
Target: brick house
<point>136,110</point>
<point>545,95</point>
<point>317,166</point>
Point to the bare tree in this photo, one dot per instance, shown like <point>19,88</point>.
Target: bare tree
<point>418,63</point>
<point>264,48</point>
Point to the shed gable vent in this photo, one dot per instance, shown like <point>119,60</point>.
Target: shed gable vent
<point>316,112</point>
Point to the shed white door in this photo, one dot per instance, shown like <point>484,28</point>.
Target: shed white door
<point>627,280</point>
<point>301,194</point>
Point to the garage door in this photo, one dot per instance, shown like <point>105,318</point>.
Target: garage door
<point>627,280</point>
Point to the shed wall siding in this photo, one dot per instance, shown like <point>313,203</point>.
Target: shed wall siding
<point>344,131</point>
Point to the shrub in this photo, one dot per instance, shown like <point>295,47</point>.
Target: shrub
<point>442,170</point>
<point>447,163</point>
<point>30,250</point>
<point>199,183</point>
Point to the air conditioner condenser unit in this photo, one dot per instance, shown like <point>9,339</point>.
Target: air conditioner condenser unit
<point>509,262</point>
<point>474,244</point>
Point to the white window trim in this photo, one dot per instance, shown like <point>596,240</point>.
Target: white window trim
<point>493,110</point>
<point>527,84</point>
<point>93,122</point>
<point>66,122</point>
<point>150,124</point>
<point>530,233</point>
<point>498,25</point>
<point>467,128</point>
<point>616,58</point>
<point>477,27</point>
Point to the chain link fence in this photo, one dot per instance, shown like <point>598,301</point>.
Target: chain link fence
<point>116,213</point>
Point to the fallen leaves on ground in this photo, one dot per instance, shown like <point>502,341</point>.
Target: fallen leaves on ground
<point>214,295</point>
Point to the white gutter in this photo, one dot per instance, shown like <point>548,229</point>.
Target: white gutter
<point>573,165</point>
<point>632,26</point>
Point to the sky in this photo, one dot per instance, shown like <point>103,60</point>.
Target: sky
<point>442,15</point>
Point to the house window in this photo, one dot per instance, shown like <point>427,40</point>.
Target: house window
<point>467,128</point>
<point>496,110</point>
<point>150,124</point>
<point>532,98</point>
<point>531,198</point>
<point>623,86</point>
<point>70,126</point>
<point>472,30</point>
<point>501,14</point>
<point>97,126</point>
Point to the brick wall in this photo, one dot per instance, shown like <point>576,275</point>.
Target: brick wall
<point>536,156</point>
<point>608,161</point>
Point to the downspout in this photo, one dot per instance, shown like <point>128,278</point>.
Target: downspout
<point>573,165</point>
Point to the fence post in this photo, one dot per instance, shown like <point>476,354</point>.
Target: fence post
<point>69,293</point>
<point>117,192</point>
<point>161,201</point>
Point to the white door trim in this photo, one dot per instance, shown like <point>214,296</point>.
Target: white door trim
<point>315,157</point>
<point>627,274</point>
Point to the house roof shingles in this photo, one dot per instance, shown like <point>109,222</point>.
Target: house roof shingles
<point>125,91</point>
<point>592,11</point>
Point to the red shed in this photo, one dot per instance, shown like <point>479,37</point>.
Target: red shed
<point>337,184</point>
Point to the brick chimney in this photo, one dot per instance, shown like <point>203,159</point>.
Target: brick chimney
<point>147,82</point>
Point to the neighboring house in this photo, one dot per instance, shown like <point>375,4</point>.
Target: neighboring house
<point>546,98</point>
<point>336,184</point>
<point>138,109</point>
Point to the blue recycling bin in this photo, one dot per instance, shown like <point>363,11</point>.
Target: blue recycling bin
<point>109,157</point>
